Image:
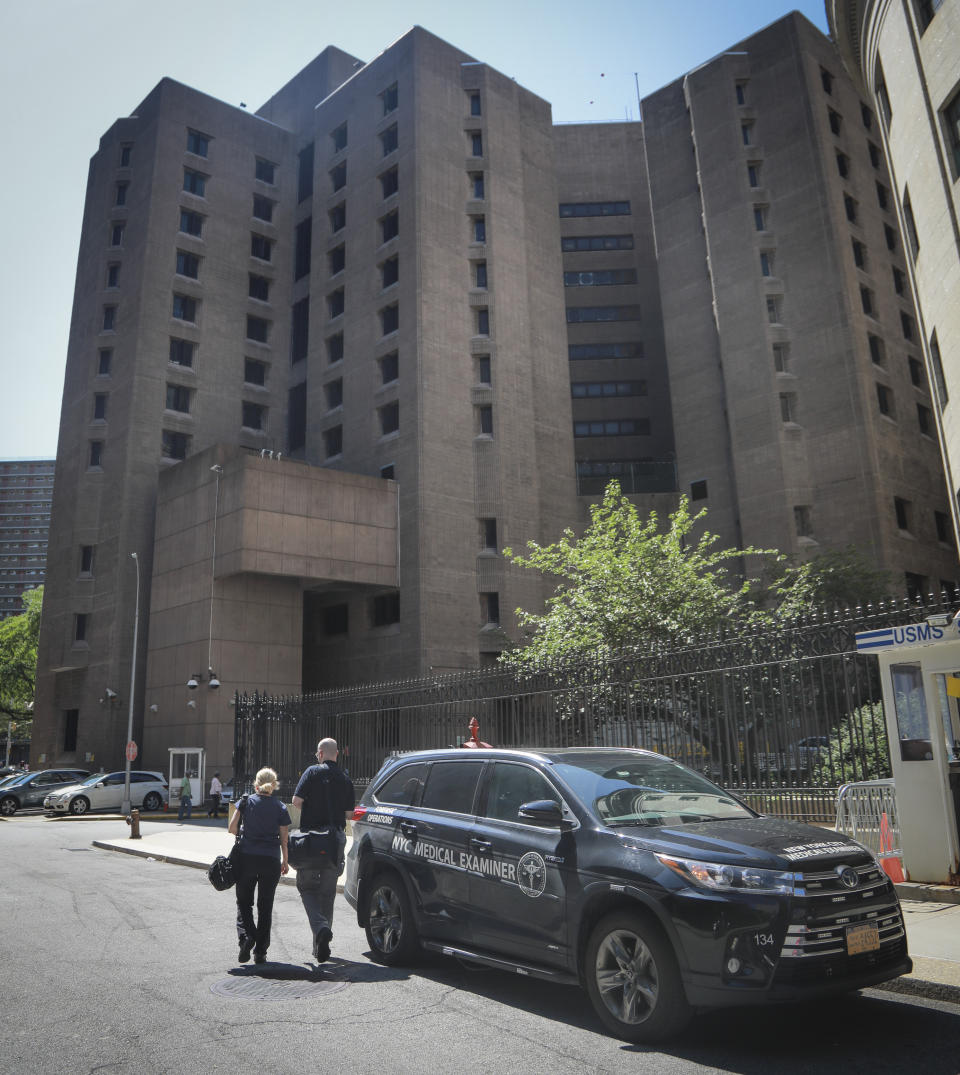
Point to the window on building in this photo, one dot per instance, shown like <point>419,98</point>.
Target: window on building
<point>390,98</point>
<point>850,207</point>
<point>746,133</point>
<point>943,396</point>
<point>389,415</point>
<point>116,234</point>
<point>86,559</point>
<point>191,223</point>
<point>198,143</point>
<point>950,120</point>
<point>121,194</point>
<point>194,182</point>
<point>883,98</point>
<point>109,318</point>
<point>596,242</point>
<point>826,80</point>
<point>606,389</point>
<point>802,520</point>
<point>788,407</point>
<point>260,247</point>
<point>338,137</point>
<point>910,226</point>
<point>337,259</point>
<point>390,182</point>
<point>903,511</point>
<point>475,104</point>
<point>334,348</point>
<point>760,217</point>
<point>113,274</point>
<point>100,407</point>
<point>924,420</point>
<point>480,274</point>
<point>483,369</point>
<point>389,226</point>
<point>917,588</point>
<point>484,415</point>
<point>944,529</point>
<point>335,620</point>
<point>258,328</point>
<point>188,264</point>
<point>265,171</point>
<point>263,207</point>
<point>336,302</point>
<point>766,263</point>
<point>338,217</point>
<point>600,278</point>
<point>389,367</point>
<point>698,490</point>
<point>477,184</point>
<point>479,229</point>
<point>389,140</point>
<point>775,309</point>
<point>843,165</point>
<point>303,248</point>
<point>253,415</point>
<point>885,400</point>
<point>104,361</point>
<point>254,371</point>
<point>899,281</point>
<point>916,373</point>
<point>95,458</point>
<point>859,254</point>
<point>890,236</point>
<point>297,417</point>
<point>488,534</point>
<point>490,607</point>
<point>389,319</point>
<point>259,288</point>
<point>926,9</point>
<point>605,350</point>
<point>178,398</point>
<point>333,441</point>
<point>883,196</point>
<point>836,120</point>
<point>866,301</point>
<point>80,624</point>
<point>338,176</point>
<point>475,139</point>
<point>385,609</point>
<point>181,351</point>
<point>577,209</point>
<point>866,116</point>
<point>781,357</point>
<point>390,271</point>
<point>300,330</point>
<point>483,322</point>
<point>875,155</point>
<point>877,355</point>
<point>305,173</point>
<point>753,173</point>
<point>740,92</point>
<point>125,154</point>
<point>906,325</point>
<point>583,315</point>
<point>174,445</point>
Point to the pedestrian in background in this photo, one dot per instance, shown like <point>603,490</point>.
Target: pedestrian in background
<point>260,860</point>
<point>325,798</point>
<point>215,790</point>
<point>186,798</point>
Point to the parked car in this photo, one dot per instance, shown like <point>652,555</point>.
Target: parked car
<point>797,758</point>
<point>104,791</point>
<point>619,870</point>
<point>30,789</point>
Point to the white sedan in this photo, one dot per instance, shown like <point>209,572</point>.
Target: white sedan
<point>104,791</point>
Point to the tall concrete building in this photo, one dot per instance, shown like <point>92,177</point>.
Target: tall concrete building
<point>26,493</point>
<point>906,58</point>
<point>803,413</point>
<point>328,359</point>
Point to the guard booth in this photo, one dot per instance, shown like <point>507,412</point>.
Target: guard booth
<point>190,760</point>
<point>920,673</point>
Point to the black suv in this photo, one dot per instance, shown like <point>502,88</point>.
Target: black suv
<point>622,871</point>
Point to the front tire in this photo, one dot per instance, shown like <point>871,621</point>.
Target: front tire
<point>391,933</point>
<point>79,805</point>
<point>633,980</point>
<point>8,806</point>
<point>152,801</point>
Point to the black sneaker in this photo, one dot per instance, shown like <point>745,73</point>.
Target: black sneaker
<point>321,944</point>
<point>245,949</point>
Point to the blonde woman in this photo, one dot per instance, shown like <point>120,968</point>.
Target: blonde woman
<point>261,859</point>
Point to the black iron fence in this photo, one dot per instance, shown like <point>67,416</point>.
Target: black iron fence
<point>781,717</point>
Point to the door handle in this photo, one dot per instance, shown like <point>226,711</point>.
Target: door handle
<point>408,829</point>
<point>480,845</point>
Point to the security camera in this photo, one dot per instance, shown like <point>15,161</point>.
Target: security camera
<point>192,704</point>
<point>214,683</point>
<point>192,683</point>
<point>110,693</point>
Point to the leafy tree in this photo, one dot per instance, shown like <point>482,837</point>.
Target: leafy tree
<point>858,746</point>
<point>18,661</point>
<point>627,582</point>
<point>837,579</point>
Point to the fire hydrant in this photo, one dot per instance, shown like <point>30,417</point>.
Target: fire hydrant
<point>133,820</point>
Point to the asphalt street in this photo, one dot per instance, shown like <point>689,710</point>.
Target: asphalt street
<point>113,963</point>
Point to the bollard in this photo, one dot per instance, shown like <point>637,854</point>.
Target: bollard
<point>133,820</point>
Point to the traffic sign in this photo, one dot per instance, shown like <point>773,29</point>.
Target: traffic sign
<point>131,751</point>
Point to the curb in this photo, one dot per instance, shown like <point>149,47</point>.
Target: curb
<point>920,987</point>
<point>917,892</point>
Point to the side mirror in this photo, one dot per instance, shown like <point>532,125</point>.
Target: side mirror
<point>100,784</point>
<point>542,811</point>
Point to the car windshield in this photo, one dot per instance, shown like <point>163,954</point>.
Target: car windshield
<point>636,789</point>
<point>16,778</point>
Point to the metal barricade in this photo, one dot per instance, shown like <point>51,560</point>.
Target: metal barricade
<point>867,811</point>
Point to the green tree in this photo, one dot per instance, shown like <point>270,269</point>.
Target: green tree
<point>18,662</point>
<point>837,579</point>
<point>628,582</point>
<point>858,749</point>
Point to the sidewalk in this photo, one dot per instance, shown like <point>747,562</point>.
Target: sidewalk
<point>931,913</point>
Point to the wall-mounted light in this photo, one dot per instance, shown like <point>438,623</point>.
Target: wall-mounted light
<point>154,708</point>
<point>194,681</point>
<point>192,704</point>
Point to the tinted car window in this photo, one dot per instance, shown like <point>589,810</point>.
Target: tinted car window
<point>513,785</point>
<point>451,786</point>
<point>402,787</point>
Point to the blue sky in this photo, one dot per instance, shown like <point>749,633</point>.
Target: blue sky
<point>69,68</point>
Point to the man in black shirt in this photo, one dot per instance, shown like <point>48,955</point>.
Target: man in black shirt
<point>325,799</point>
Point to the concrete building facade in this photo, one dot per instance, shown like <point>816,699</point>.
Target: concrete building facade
<point>26,494</point>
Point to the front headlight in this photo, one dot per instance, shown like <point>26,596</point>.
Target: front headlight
<point>719,877</point>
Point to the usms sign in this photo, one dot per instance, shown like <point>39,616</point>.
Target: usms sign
<point>913,634</point>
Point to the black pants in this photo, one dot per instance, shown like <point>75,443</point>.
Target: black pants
<point>260,873</point>
<point>214,810</point>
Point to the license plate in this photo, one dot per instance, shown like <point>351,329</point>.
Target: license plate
<point>862,938</point>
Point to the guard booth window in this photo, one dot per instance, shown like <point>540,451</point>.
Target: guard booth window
<point>913,720</point>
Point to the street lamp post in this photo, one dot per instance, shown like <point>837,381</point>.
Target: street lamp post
<point>125,807</point>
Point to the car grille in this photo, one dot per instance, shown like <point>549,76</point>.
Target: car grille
<point>815,946</point>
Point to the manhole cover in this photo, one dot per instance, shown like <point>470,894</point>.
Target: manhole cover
<point>277,983</point>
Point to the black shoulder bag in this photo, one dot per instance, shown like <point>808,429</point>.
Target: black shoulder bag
<point>221,873</point>
<point>311,849</point>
